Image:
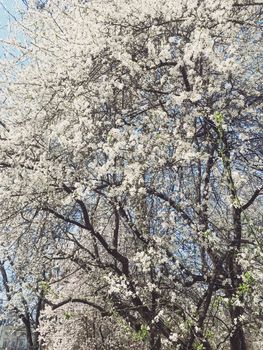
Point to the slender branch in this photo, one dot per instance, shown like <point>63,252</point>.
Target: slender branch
<point>172,203</point>
<point>248,4</point>
<point>252,199</point>
<point>78,300</point>
<point>62,217</point>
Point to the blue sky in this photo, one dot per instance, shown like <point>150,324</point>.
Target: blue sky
<point>6,18</point>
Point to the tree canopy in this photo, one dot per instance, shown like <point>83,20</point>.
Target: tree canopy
<point>131,175</point>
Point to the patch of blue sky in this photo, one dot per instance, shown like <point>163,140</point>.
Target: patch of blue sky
<point>10,14</point>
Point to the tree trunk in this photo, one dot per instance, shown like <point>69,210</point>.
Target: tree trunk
<point>155,340</point>
<point>238,341</point>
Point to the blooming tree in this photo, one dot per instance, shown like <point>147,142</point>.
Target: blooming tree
<point>22,302</point>
<point>130,155</point>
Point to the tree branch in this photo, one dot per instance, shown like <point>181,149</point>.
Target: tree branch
<point>257,193</point>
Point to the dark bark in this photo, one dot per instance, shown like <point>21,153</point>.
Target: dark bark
<point>237,339</point>
<point>155,340</point>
